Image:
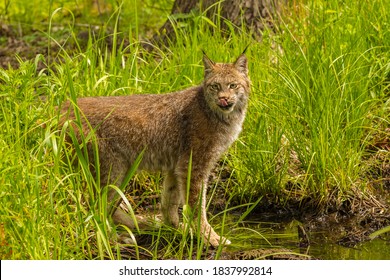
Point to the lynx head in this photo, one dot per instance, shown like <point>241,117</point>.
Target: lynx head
<point>226,85</point>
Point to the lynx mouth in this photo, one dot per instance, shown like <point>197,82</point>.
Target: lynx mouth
<point>224,104</point>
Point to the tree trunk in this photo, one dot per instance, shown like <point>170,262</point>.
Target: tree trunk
<point>255,15</point>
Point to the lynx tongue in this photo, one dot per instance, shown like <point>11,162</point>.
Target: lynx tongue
<point>223,103</point>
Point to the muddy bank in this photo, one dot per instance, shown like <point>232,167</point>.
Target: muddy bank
<point>292,231</point>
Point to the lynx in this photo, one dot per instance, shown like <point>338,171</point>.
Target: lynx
<point>201,121</point>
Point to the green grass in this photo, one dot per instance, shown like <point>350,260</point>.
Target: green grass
<point>329,84</point>
<point>323,93</point>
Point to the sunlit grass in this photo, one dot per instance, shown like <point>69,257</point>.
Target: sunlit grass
<point>317,102</point>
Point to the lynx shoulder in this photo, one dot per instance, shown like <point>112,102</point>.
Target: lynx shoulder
<point>202,121</point>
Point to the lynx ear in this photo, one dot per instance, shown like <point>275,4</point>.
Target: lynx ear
<point>241,64</point>
<point>208,64</point>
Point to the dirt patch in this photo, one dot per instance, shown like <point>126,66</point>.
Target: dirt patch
<point>14,47</point>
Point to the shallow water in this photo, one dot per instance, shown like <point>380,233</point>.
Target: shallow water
<point>322,245</point>
<point>377,249</point>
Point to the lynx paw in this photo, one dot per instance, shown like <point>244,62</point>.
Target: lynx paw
<point>212,238</point>
<point>217,240</point>
<point>125,238</point>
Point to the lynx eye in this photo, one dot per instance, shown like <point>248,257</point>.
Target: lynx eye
<point>232,85</point>
<point>214,86</point>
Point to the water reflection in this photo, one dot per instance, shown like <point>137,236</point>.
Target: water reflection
<point>322,246</point>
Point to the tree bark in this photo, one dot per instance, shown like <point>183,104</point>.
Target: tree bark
<point>254,15</point>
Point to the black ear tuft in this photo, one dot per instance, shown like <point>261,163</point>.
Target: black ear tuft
<point>241,64</point>
<point>246,48</point>
<point>208,64</point>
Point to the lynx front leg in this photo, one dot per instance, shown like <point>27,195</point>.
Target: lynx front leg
<point>171,199</point>
<point>197,203</point>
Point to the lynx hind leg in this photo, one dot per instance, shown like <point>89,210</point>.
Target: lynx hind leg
<point>122,218</point>
<point>114,174</point>
<point>171,199</point>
